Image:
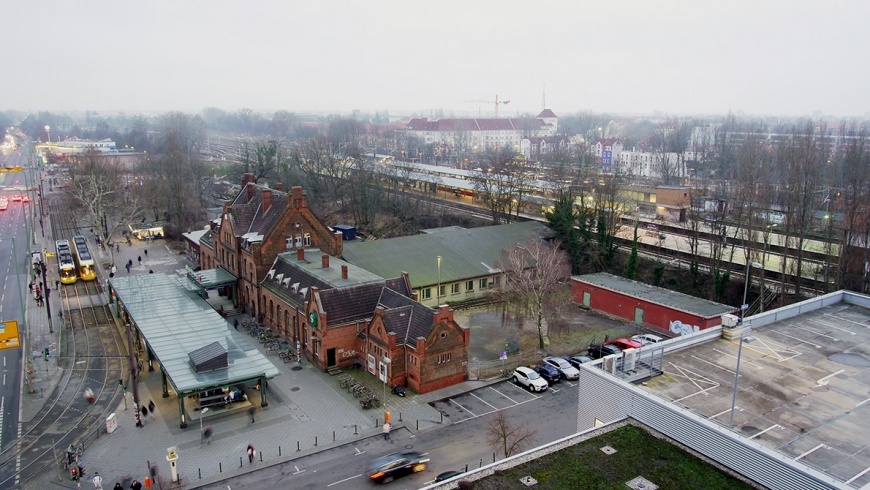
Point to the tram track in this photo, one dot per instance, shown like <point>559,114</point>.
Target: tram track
<point>94,356</point>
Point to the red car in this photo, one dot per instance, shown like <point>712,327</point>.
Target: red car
<point>623,343</point>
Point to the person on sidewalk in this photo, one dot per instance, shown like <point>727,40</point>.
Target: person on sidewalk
<point>386,431</point>
<point>144,412</point>
<point>236,323</point>
<point>251,413</point>
<point>151,407</point>
<point>140,259</point>
<point>98,481</point>
<point>135,485</point>
<point>146,252</point>
<point>117,486</point>
<point>56,285</point>
<point>250,453</point>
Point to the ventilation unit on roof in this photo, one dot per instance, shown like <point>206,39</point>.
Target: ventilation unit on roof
<point>286,282</point>
<point>279,277</point>
<point>209,358</point>
<point>271,274</point>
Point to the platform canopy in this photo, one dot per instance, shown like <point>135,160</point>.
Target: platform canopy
<point>212,278</point>
<point>175,321</point>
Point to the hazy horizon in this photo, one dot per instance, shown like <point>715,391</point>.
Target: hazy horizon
<point>776,58</point>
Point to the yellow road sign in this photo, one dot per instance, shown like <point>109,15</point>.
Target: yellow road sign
<point>9,335</point>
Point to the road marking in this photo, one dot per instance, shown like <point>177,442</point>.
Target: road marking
<point>303,471</point>
<point>502,394</point>
<point>481,399</point>
<point>774,426</point>
<point>460,406</point>
<point>358,452</point>
<point>4,378</point>
<point>824,381</point>
<point>342,481</point>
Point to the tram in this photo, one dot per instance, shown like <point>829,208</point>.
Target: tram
<point>83,259</point>
<point>65,263</point>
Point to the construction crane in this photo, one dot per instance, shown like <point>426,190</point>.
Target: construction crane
<point>496,102</point>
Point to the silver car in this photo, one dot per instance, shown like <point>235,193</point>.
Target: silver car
<point>568,371</point>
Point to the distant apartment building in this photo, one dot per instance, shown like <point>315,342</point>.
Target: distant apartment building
<point>482,134</point>
<point>606,151</point>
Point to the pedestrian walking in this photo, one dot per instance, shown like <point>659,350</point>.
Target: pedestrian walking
<point>206,434</point>
<point>144,412</point>
<point>114,269</point>
<point>139,258</point>
<point>386,431</point>
<point>251,413</point>
<point>250,453</point>
<point>135,485</point>
<point>117,486</point>
<point>117,248</point>
<point>146,252</point>
<point>127,266</point>
<point>56,285</point>
<point>98,481</point>
<point>30,286</point>
<point>236,323</point>
<point>151,407</point>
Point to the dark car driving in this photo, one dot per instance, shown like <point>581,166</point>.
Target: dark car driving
<point>387,468</point>
<point>549,373</point>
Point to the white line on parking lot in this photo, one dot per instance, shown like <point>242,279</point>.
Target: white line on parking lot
<point>814,332</point>
<point>502,394</point>
<point>811,451</point>
<point>484,401</point>
<point>724,412</point>
<point>460,406</point>
<point>695,379</point>
<point>824,381</point>
<point>774,426</point>
<point>746,361</point>
<point>859,475</point>
<point>817,346</point>
<point>841,320</point>
<point>713,364</point>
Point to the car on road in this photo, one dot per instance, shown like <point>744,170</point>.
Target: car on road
<point>527,377</point>
<point>4,204</point>
<point>623,343</point>
<point>647,338</point>
<point>549,373</point>
<point>568,371</point>
<point>25,199</point>
<point>597,351</point>
<point>577,360</point>
<point>16,197</point>
<point>387,468</point>
<point>447,475</point>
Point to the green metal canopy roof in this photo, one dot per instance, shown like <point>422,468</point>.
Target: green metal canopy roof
<point>465,253</point>
<point>175,321</point>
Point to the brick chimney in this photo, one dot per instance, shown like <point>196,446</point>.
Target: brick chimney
<point>227,205</point>
<point>344,272</point>
<point>297,198</point>
<point>267,199</point>
<point>324,261</point>
<point>300,254</point>
<point>278,186</point>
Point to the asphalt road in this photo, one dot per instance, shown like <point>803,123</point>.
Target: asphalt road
<point>553,414</point>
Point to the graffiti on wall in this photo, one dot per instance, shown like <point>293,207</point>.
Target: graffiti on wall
<point>681,328</point>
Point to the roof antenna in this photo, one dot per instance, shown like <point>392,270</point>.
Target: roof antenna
<point>544,98</point>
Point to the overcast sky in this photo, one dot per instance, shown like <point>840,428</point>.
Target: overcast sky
<point>790,57</point>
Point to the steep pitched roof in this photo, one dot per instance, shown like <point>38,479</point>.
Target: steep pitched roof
<point>546,113</point>
<point>355,303</point>
<point>405,317</point>
<point>248,214</point>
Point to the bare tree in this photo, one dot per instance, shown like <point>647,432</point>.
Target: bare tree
<point>507,437</point>
<point>855,177</point>
<point>532,275</point>
<point>501,185</point>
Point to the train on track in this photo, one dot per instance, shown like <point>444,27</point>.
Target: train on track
<point>65,262</point>
<point>83,258</point>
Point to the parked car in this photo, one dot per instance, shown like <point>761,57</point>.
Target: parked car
<point>447,475</point>
<point>568,371</point>
<point>577,360</point>
<point>623,343</point>
<point>597,351</point>
<point>387,468</point>
<point>527,377</point>
<point>647,338</point>
<point>549,373</point>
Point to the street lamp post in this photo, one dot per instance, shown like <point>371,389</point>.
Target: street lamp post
<point>743,338</point>
<point>438,291</point>
<point>201,415</point>
<point>744,306</point>
<point>386,362</point>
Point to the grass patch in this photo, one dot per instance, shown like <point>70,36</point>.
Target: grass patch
<point>638,454</point>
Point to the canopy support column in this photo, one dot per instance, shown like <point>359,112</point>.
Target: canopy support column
<point>165,385</point>
<point>263,402</point>
<point>181,411</point>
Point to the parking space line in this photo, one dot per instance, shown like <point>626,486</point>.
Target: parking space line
<point>811,451</point>
<point>817,346</point>
<point>843,320</point>
<point>460,406</point>
<point>524,391</point>
<point>724,412</point>
<point>696,380</point>
<point>481,399</point>
<point>816,332</point>
<point>743,361</point>
<point>824,381</point>
<point>502,394</point>
<point>768,349</point>
<point>859,475</point>
<point>713,364</point>
<point>774,426</point>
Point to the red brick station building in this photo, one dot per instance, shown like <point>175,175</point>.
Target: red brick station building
<point>289,275</point>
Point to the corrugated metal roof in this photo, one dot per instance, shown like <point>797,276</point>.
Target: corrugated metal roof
<point>465,253</point>
<point>175,321</point>
<point>653,294</point>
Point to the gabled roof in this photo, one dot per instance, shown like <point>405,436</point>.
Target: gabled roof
<point>546,113</point>
<point>506,124</point>
<point>248,215</point>
<point>405,317</point>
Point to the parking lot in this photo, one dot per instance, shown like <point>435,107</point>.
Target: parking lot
<point>803,389</point>
<point>499,396</point>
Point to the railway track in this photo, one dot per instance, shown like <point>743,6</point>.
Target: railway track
<point>92,356</point>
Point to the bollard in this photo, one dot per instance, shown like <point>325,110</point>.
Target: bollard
<point>377,422</point>
<point>400,416</point>
<point>199,470</point>
<point>466,467</point>
<point>493,457</point>
<point>261,456</point>
<point>315,441</point>
<point>279,450</point>
<point>481,463</point>
<point>442,417</point>
<point>220,467</point>
<point>354,429</point>
<point>240,461</point>
<point>297,446</point>
<point>418,424</point>
<point>333,436</point>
